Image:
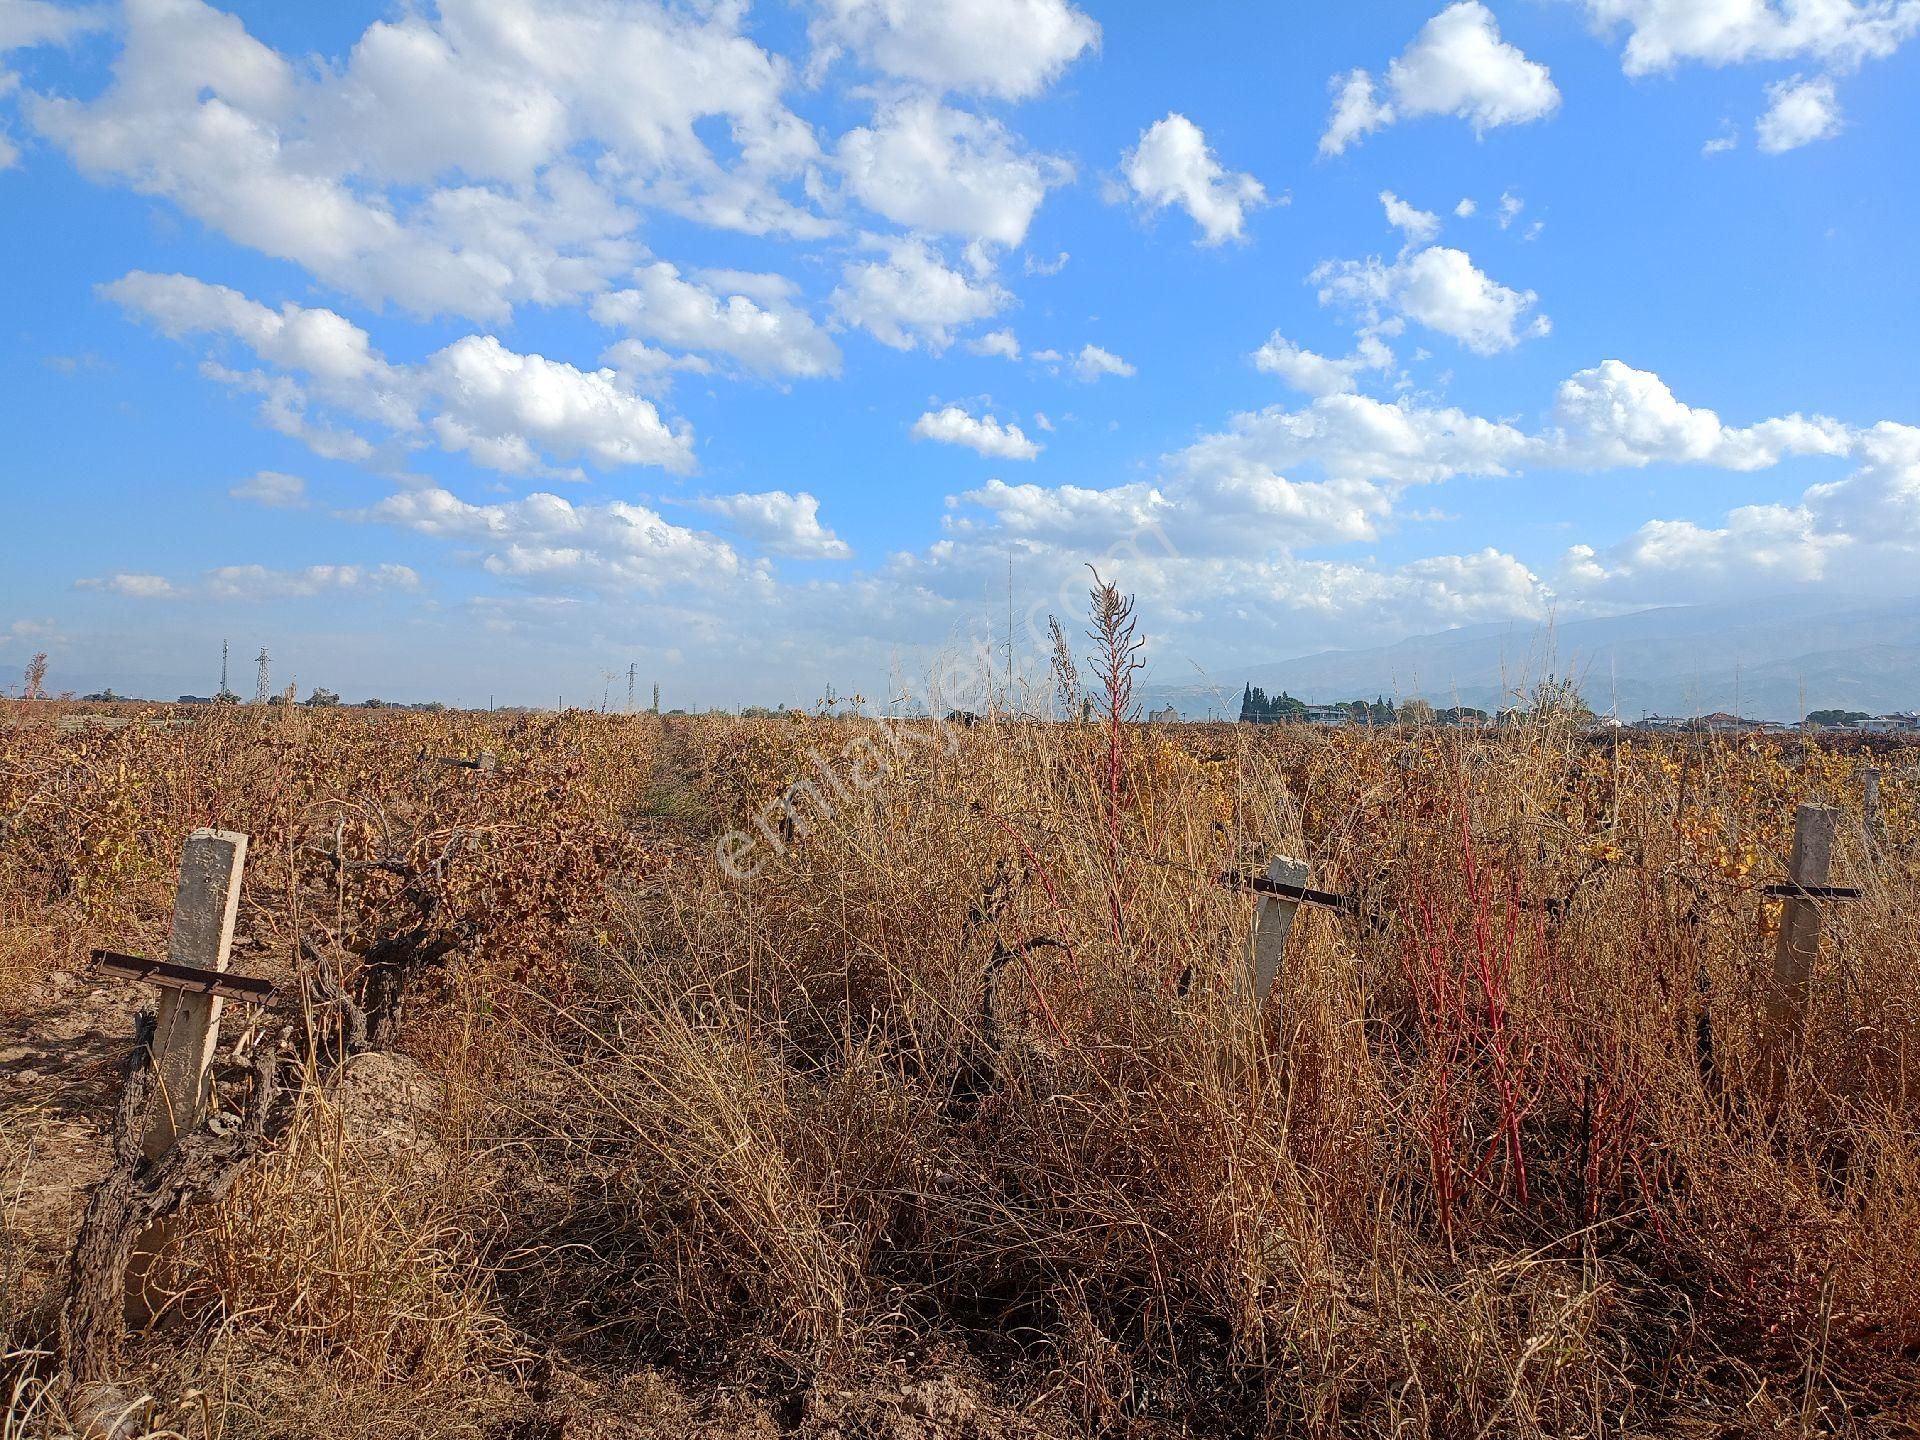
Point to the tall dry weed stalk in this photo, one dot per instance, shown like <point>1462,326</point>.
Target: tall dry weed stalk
<point>1116,659</point>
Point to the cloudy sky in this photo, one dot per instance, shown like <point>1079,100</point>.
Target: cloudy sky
<point>488,346</point>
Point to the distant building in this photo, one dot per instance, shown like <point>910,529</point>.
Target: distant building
<point>1329,715</point>
<point>1896,724</point>
<point>1720,722</point>
<point>1166,715</point>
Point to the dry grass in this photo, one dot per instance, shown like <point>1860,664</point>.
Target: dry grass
<point>965,1077</point>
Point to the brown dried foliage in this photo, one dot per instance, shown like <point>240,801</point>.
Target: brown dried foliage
<point>1490,1161</point>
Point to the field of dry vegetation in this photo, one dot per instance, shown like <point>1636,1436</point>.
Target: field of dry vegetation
<point>954,1118</point>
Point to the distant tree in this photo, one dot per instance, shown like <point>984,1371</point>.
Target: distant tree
<point>278,701</point>
<point>373,704</point>
<point>1377,711</point>
<point>431,707</point>
<point>748,712</point>
<point>1416,712</point>
<point>1836,717</point>
<point>1558,700</point>
<point>102,697</point>
<point>322,697</point>
<point>1258,708</point>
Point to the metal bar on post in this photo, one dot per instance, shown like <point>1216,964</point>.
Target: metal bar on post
<point>1798,948</point>
<point>169,976</point>
<point>1273,918</point>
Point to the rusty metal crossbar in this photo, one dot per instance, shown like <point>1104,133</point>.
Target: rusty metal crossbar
<point>1791,891</point>
<point>191,978</point>
<point>1304,894</point>
<point>485,761</point>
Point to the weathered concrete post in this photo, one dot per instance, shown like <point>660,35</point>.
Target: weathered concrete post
<point>1798,948</point>
<point>186,1028</point>
<point>1273,918</point>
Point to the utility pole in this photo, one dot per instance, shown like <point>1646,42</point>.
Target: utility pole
<point>656,697</point>
<point>223,668</point>
<point>632,670</point>
<point>265,662</point>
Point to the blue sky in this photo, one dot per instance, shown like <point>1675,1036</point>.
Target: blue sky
<point>481,349</point>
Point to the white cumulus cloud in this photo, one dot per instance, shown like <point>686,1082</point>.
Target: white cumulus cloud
<point>1616,415</point>
<point>769,336</point>
<point>955,426</point>
<point>502,406</point>
<point>912,296</point>
<point>1457,65</point>
<point>1173,165</point>
<point>1836,35</point>
<point>1092,362</point>
<point>505,409</point>
<point>782,523</point>
<point>1437,287</point>
<point>929,167</point>
<point>1315,374</point>
<point>1664,33</point>
<point>1003,343</point>
<point>1012,49</point>
<point>546,542</point>
<point>1798,113</point>
<point>464,160</point>
<point>1419,226</point>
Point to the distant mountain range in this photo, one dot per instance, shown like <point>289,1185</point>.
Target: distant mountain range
<point>1768,660</point>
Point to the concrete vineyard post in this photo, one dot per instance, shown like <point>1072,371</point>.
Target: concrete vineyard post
<point>186,1030</point>
<point>1273,918</point>
<point>187,1026</point>
<point>1798,948</point>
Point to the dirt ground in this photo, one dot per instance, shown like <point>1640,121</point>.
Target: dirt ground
<point>61,1063</point>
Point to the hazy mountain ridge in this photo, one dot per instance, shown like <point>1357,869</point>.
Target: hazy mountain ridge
<point>1771,660</point>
